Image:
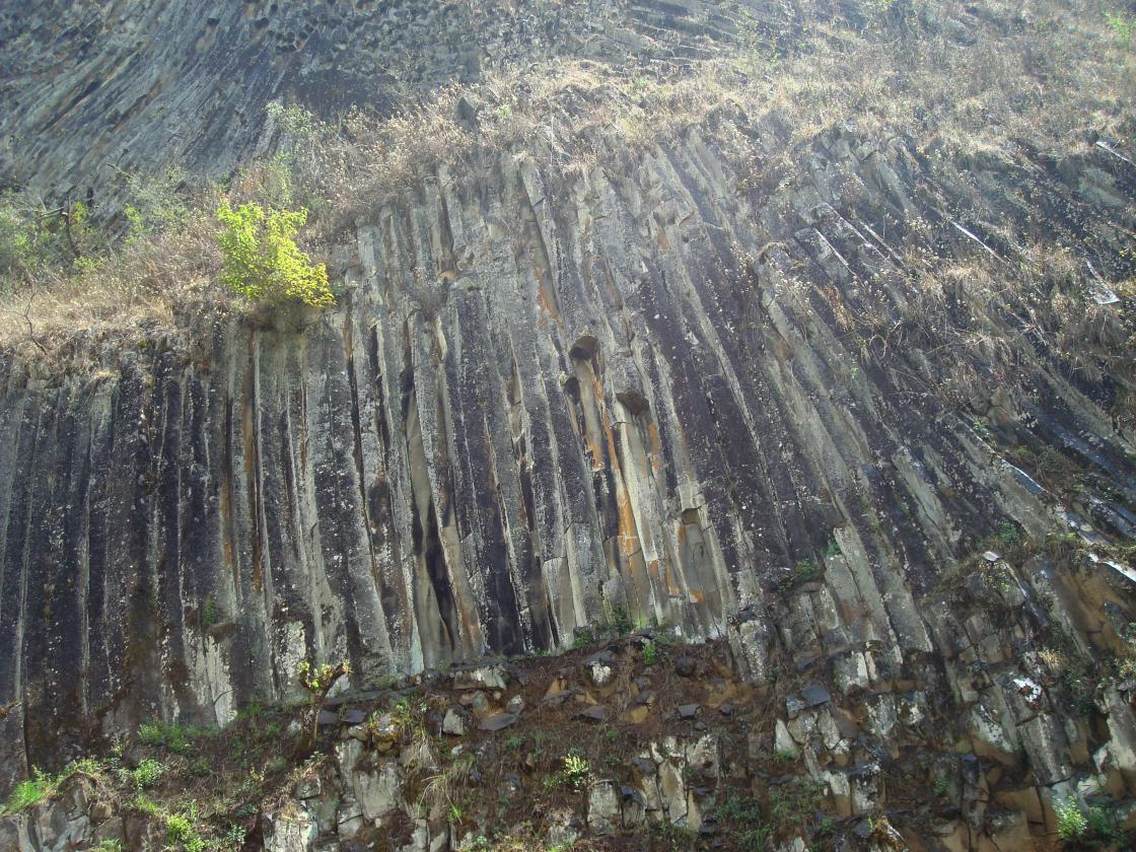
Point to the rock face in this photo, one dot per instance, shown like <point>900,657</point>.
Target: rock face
<point>148,83</point>
<point>654,391</point>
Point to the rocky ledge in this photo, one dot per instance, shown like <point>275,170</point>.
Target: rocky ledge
<point>641,743</point>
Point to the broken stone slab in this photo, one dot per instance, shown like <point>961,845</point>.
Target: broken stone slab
<point>633,807</point>
<point>453,724</point>
<point>783,742</point>
<point>354,716</point>
<point>291,829</point>
<point>477,701</point>
<point>645,765</point>
<point>489,677</point>
<point>563,828</point>
<point>637,714</point>
<point>497,722</point>
<point>595,713</point>
<point>749,637</point>
<point>359,732</point>
<point>814,695</point>
<point>603,807</point>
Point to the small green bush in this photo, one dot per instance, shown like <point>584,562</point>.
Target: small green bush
<point>650,654</point>
<point>1123,26</point>
<point>261,261</point>
<point>30,792</point>
<point>41,785</point>
<point>575,773</point>
<point>1103,826</point>
<point>583,637</point>
<point>1071,821</point>
<point>576,770</point>
<point>170,736</point>
<point>147,773</point>
<point>1009,534</point>
<point>39,244</point>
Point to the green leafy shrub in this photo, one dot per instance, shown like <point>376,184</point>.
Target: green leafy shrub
<point>318,681</point>
<point>650,654</point>
<point>1009,534</point>
<point>42,786</point>
<point>261,261</point>
<point>1123,26</point>
<point>1071,821</point>
<point>38,244</point>
<point>147,773</point>
<point>1104,827</point>
<point>583,637</point>
<point>172,737</point>
<point>16,242</point>
<point>575,773</point>
<point>180,831</point>
<point>30,792</point>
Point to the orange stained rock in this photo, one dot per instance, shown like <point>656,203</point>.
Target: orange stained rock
<point>656,447</point>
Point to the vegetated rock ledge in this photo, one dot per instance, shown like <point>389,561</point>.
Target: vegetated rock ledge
<point>637,743</point>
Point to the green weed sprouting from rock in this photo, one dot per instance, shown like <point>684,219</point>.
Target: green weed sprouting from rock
<point>42,786</point>
<point>171,737</point>
<point>941,786</point>
<point>1090,825</point>
<point>576,770</point>
<point>318,681</point>
<point>650,654</point>
<point>1071,821</point>
<point>745,822</point>
<point>784,757</point>
<point>575,773</point>
<point>30,792</point>
<point>1009,534</point>
<point>261,261</point>
<point>584,637</point>
<point>1104,828</point>
<point>180,830</point>
<point>146,774</point>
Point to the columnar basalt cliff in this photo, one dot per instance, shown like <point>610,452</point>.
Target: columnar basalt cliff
<point>668,389</point>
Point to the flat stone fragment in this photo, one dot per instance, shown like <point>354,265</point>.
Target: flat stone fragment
<point>597,713</point>
<point>453,724</point>
<point>497,722</point>
<point>815,694</point>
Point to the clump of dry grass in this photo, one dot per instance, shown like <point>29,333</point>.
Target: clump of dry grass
<point>126,295</point>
